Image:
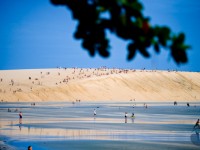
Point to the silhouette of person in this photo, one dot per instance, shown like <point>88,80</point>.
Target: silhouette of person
<point>132,117</point>
<point>126,115</point>
<point>197,124</point>
<point>175,103</point>
<point>95,113</point>
<point>30,148</point>
<point>20,117</point>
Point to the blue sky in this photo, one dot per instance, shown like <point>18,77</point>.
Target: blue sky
<point>37,34</point>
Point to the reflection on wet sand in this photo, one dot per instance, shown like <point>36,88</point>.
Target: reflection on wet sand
<point>20,120</point>
<point>77,123</point>
<point>28,133</point>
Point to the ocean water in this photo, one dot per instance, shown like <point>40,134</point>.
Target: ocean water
<point>161,124</point>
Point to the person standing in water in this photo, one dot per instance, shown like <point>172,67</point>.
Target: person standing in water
<point>29,147</point>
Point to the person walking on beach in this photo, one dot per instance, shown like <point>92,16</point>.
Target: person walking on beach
<point>145,105</point>
<point>95,113</point>
<point>132,117</point>
<point>20,117</point>
<point>197,124</point>
<point>175,103</point>
<point>126,115</point>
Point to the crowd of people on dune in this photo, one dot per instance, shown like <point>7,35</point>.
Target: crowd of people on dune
<point>79,73</point>
<point>65,77</point>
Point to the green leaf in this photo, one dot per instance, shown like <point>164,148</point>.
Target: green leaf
<point>132,51</point>
<point>156,47</point>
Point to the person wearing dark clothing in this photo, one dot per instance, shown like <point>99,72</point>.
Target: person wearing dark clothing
<point>197,124</point>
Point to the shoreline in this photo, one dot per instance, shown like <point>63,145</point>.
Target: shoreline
<point>4,145</point>
<point>103,144</point>
<point>59,126</point>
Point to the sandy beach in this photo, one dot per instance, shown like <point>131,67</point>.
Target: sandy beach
<point>64,100</point>
<point>102,84</point>
<point>63,125</point>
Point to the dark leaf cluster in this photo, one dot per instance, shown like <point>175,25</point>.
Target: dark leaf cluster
<point>123,18</point>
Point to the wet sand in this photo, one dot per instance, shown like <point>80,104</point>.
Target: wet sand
<point>4,146</point>
<point>109,144</point>
<point>73,126</point>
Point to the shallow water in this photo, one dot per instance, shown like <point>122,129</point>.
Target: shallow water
<point>59,122</point>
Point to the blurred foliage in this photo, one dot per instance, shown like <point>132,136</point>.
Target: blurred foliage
<point>123,18</point>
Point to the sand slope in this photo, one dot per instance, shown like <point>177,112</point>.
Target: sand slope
<point>98,84</point>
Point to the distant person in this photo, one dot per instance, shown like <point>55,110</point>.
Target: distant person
<point>20,115</point>
<point>20,118</point>
<point>30,148</point>
<point>197,124</point>
<point>133,115</point>
<point>188,105</point>
<point>175,103</point>
<point>145,105</point>
<point>126,115</point>
<point>95,113</point>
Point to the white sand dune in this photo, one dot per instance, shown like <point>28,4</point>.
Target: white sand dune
<point>98,85</point>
